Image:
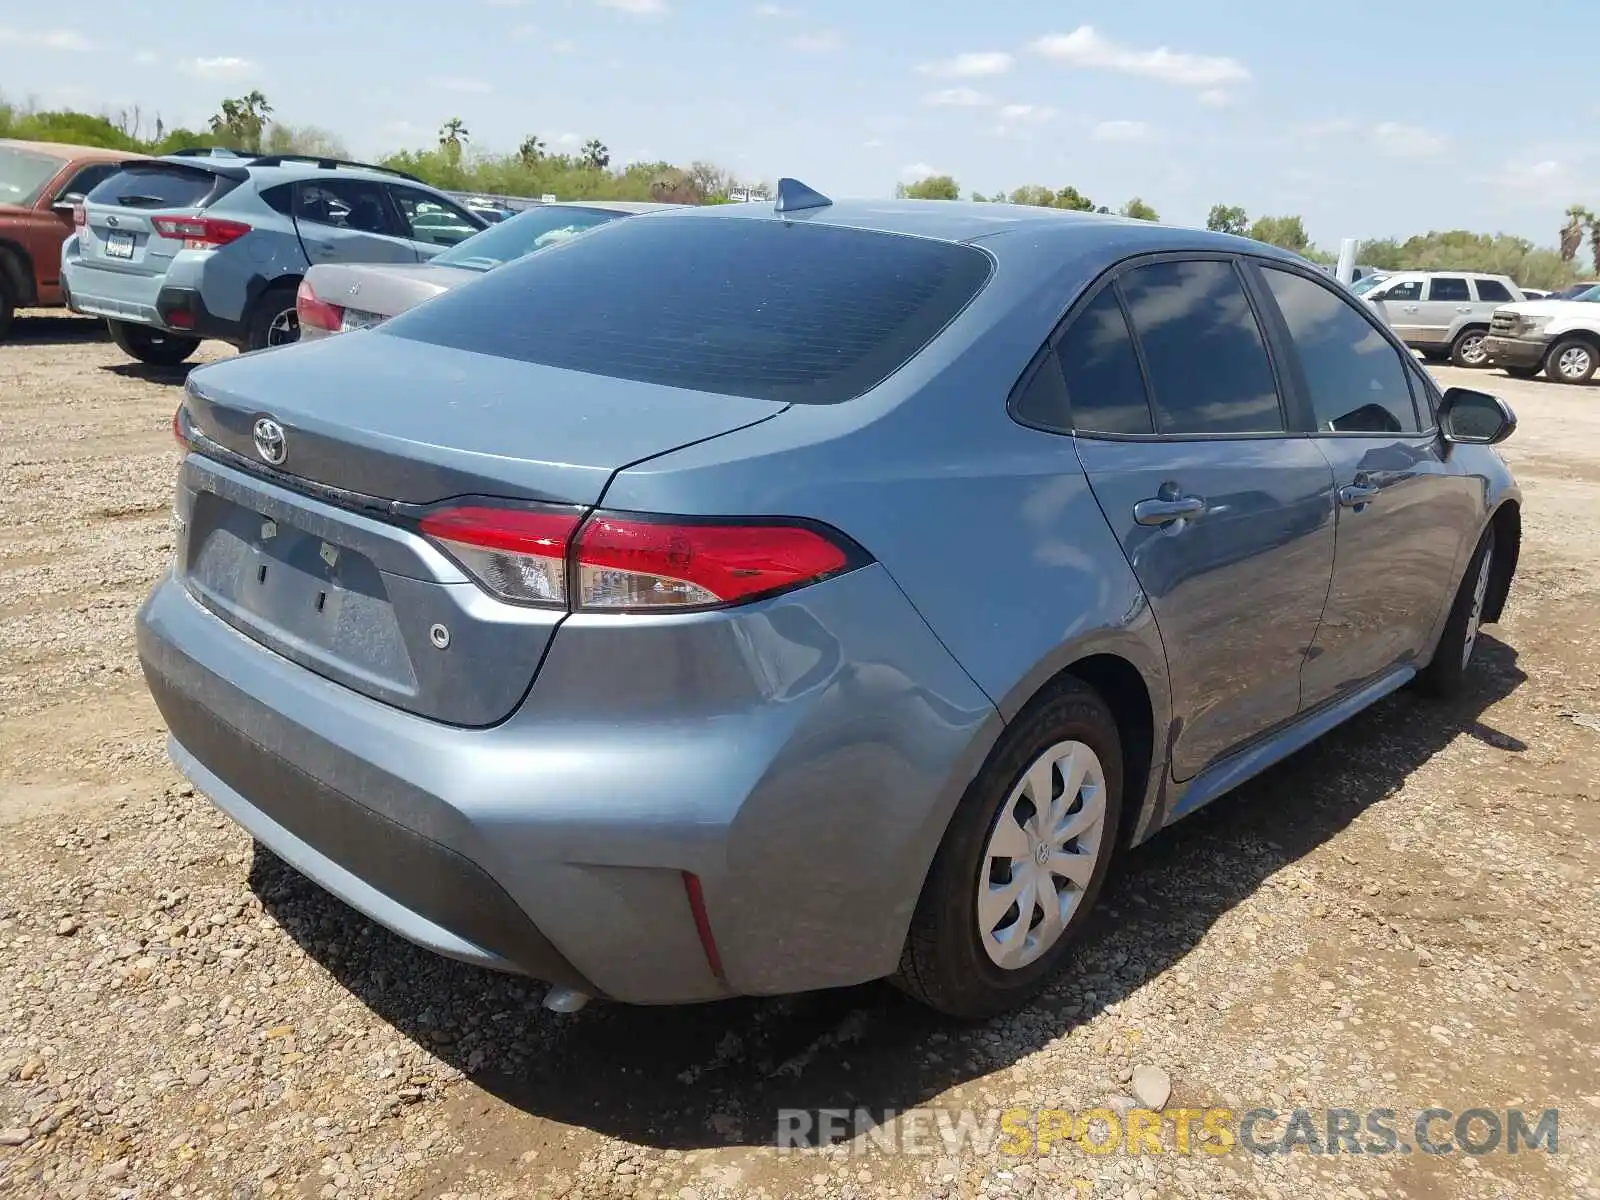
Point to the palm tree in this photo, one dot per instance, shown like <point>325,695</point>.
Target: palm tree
<point>453,135</point>
<point>1578,220</point>
<point>531,150</point>
<point>595,155</point>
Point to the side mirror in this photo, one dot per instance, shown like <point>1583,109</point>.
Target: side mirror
<point>68,201</point>
<point>1471,418</point>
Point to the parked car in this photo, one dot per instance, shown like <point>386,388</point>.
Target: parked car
<point>1576,291</point>
<point>1535,294</point>
<point>172,250</point>
<point>339,297</point>
<point>41,183</point>
<point>1559,337</point>
<point>1444,314</point>
<point>747,600</point>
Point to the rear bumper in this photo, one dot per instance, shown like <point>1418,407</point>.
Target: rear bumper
<point>159,301</point>
<point>1516,352</point>
<point>183,310</point>
<point>801,760</point>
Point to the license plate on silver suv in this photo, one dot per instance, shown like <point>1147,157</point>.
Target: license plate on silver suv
<point>119,244</point>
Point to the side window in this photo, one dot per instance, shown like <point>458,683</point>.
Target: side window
<point>1449,289</point>
<point>1492,290</point>
<point>1104,387</point>
<point>1410,290</point>
<point>352,204</point>
<point>89,178</point>
<point>430,219</point>
<point>1356,379</point>
<point>1207,362</point>
<point>280,198</point>
<point>1043,398</point>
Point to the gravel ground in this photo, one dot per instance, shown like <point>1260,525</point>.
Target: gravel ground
<point>1405,915</point>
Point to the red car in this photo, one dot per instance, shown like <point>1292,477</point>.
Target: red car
<point>40,184</point>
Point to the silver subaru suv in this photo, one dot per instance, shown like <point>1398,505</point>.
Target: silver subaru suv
<point>213,244</point>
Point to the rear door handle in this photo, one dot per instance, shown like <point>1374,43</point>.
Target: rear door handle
<point>1164,511</point>
<point>1354,495</point>
<point>1464,308</point>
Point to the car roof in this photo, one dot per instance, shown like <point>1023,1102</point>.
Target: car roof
<point>67,152</point>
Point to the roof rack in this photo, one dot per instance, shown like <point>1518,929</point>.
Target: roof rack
<point>326,164</point>
<point>209,152</point>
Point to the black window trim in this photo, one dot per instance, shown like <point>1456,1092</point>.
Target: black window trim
<point>1427,425</point>
<point>1294,415</point>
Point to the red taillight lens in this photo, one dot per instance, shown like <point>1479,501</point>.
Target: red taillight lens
<point>177,430</point>
<point>200,233</point>
<point>80,217</point>
<point>618,563</point>
<point>519,554</point>
<point>626,563</point>
<point>316,312</point>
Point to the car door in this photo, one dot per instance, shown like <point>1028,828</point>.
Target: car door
<point>1404,510</point>
<point>1400,306</point>
<point>349,220</point>
<point>1225,517</point>
<point>432,223</point>
<point>1446,305</point>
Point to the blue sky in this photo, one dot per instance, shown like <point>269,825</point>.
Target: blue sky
<point>1368,118</point>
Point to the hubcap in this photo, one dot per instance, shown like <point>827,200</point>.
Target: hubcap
<point>285,328</point>
<point>1574,363</point>
<point>1480,590</point>
<point>1041,855</point>
<point>1472,351</point>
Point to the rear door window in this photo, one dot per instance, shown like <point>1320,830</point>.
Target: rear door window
<point>156,186</point>
<point>353,204</point>
<point>1203,351</point>
<point>778,310</point>
<point>1449,289</point>
<point>1492,290</point>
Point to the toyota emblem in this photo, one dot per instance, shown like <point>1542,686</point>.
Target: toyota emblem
<point>270,442</point>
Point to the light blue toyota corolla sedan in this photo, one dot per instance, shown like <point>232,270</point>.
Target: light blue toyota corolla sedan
<point>755,599</point>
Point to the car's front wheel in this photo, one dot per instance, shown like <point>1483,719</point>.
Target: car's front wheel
<point>1024,857</point>
<point>153,346</point>
<point>1571,360</point>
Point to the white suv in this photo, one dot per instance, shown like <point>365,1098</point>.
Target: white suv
<point>1444,314</point>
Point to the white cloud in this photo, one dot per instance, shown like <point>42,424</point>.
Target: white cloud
<point>1120,131</point>
<point>225,66</point>
<point>1083,47</point>
<point>569,139</point>
<point>1215,97</point>
<point>466,86</point>
<point>820,42</point>
<point>1026,112</point>
<point>45,39</point>
<point>1408,141</point>
<point>917,171</point>
<point>974,65</point>
<point>958,97</point>
<point>637,8</point>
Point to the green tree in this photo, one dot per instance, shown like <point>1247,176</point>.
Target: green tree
<point>1035,194</point>
<point>595,155</point>
<point>1287,232</point>
<point>1571,238</point>
<point>303,139</point>
<point>1227,218</point>
<point>1139,210</point>
<point>934,187</point>
<point>531,150</point>
<point>453,136</point>
<point>242,121</point>
<point>1071,198</point>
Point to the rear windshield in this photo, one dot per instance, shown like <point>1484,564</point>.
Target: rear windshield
<point>23,175</point>
<point>787,311</point>
<point>155,187</point>
<point>523,234</point>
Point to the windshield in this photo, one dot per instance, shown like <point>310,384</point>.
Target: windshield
<point>23,175</point>
<point>1362,286</point>
<point>523,234</point>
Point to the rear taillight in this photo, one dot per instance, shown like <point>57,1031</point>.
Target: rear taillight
<point>623,563</point>
<point>200,233</point>
<point>316,312</point>
<point>177,430</point>
<point>80,217</point>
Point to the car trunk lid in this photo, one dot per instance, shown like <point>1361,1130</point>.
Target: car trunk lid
<point>317,556</point>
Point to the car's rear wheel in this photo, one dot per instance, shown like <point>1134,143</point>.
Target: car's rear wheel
<point>274,321</point>
<point>153,346</point>
<point>1445,674</point>
<point>1468,350</point>
<point>1571,360</point>
<point>1024,857</point>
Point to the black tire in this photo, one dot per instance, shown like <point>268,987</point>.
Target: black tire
<point>944,964</point>
<point>1445,675</point>
<point>156,347</point>
<point>1522,372</point>
<point>274,310</point>
<point>1581,360</point>
<point>1468,350</point>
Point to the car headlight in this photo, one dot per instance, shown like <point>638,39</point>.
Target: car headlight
<point>1527,325</point>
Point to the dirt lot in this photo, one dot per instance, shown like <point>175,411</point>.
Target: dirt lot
<point>1404,916</point>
